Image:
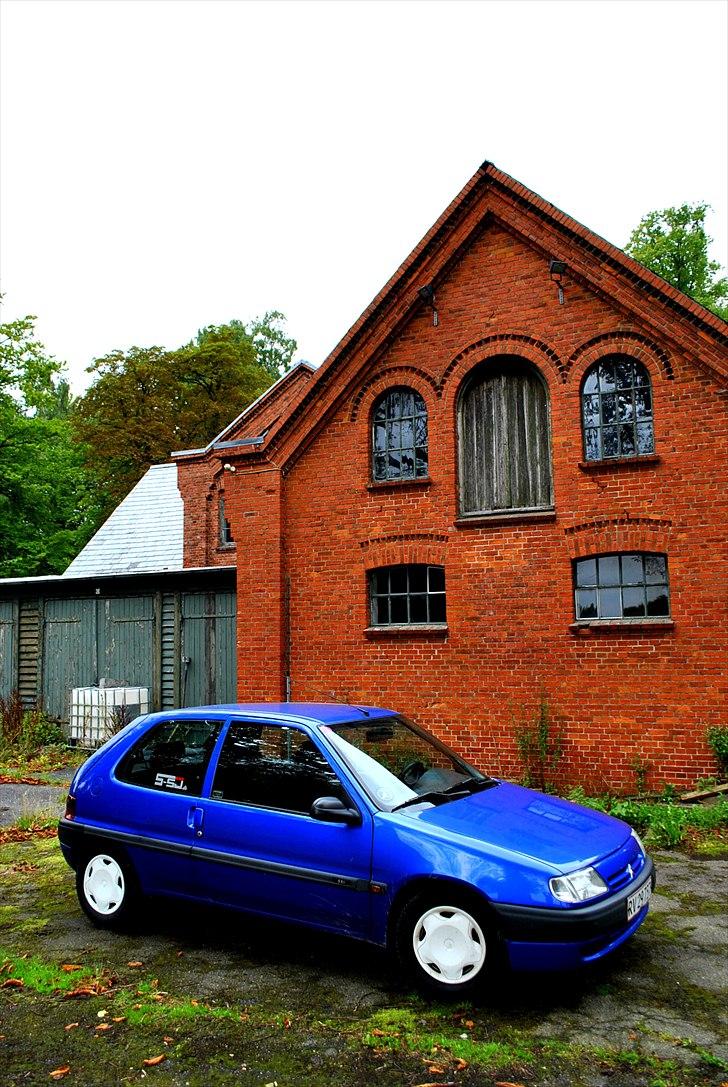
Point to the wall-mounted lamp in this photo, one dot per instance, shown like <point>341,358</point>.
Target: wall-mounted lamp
<point>427,294</point>
<point>228,467</point>
<point>557,268</point>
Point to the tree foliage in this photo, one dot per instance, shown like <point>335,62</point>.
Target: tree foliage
<point>146,402</point>
<point>674,244</point>
<point>49,505</point>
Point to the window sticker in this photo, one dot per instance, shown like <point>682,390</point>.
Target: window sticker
<point>170,781</point>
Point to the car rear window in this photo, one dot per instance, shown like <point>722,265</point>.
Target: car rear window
<point>171,757</point>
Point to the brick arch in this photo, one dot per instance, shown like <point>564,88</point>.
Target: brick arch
<point>626,533</point>
<point>623,343</point>
<point>409,376</point>
<point>404,549</point>
<point>543,357</point>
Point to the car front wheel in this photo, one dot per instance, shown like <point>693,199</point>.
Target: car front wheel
<point>446,944</point>
<point>107,889</point>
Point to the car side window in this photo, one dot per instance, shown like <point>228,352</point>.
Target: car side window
<point>172,757</point>
<point>273,766</point>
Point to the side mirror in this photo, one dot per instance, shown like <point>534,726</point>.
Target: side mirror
<point>329,809</point>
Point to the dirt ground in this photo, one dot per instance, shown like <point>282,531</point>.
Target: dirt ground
<point>224,999</point>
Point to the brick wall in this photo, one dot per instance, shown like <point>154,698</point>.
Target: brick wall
<point>310,526</point>
<point>621,694</point>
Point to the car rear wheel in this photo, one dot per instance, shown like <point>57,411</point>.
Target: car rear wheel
<point>446,943</point>
<point>107,889</point>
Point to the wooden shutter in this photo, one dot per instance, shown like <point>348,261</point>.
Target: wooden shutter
<point>505,455</point>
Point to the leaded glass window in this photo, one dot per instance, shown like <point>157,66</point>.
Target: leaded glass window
<point>407,595</point>
<point>616,405</point>
<point>399,436</point>
<point>624,586</point>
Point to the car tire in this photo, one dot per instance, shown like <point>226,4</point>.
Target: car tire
<point>445,942</point>
<point>107,888</point>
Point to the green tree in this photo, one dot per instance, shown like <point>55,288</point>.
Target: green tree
<point>49,505</point>
<point>146,402</point>
<point>674,244</point>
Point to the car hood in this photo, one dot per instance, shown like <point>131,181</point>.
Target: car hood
<point>545,828</point>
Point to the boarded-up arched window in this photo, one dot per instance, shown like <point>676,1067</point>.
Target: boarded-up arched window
<point>505,448</point>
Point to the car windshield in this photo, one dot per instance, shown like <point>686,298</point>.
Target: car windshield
<point>399,765</point>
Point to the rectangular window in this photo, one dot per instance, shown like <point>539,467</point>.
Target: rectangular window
<point>225,535</point>
<point>272,766</point>
<point>407,595</point>
<point>623,586</point>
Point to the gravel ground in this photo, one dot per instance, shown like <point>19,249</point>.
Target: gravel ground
<point>660,998</point>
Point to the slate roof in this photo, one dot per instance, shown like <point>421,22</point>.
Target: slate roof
<point>142,535</point>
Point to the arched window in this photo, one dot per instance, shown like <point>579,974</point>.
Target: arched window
<point>616,409</point>
<point>505,450</point>
<point>399,436</point>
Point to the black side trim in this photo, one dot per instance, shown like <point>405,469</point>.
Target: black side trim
<point>292,871</point>
<point>76,835</point>
<point>72,834</point>
<point>578,923</point>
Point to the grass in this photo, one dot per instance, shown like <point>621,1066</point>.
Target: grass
<point>666,824</point>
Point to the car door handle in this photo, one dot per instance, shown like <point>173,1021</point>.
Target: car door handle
<point>195,817</point>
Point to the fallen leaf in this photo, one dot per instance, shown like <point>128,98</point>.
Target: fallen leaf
<point>83,991</point>
<point>103,1026</point>
<point>180,954</point>
<point>377,1033</point>
<point>435,1069</point>
<point>118,1018</point>
<point>70,1026</point>
<point>167,1040</point>
<point>151,1061</point>
<point>69,967</point>
<point>287,1024</point>
<point>13,983</point>
<point>460,1064</point>
<point>59,1073</point>
<point>437,1083</point>
<point>507,1083</point>
<point>469,1024</point>
<point>135,964</point>
<point>195,1003</point>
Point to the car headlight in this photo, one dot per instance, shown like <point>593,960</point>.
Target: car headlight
<point>640,845</point>
<point>578,886</point>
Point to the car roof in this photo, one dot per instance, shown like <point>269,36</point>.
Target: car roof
<point>311,713</point>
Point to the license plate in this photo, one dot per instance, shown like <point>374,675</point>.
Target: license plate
<point>639,899</point>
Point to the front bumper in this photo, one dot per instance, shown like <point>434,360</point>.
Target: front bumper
<point>549,939</point>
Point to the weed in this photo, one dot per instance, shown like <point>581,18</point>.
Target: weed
<point>540,745</point>
<point>717,738</point>
<point>641,768</point>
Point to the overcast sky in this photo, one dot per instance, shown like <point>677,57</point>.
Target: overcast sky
<point>168,164</point>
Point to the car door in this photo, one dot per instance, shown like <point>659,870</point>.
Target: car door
<point>153,802</point>
<point>257,845</point>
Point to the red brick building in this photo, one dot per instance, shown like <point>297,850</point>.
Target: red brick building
<point>507,481</point>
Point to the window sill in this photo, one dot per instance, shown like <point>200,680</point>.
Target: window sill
<point>225,547</point>
<point>466,520</point>
<point>409,630</point>
<point>620,626</point>
<point>606,465</point>
<point>396,484</point>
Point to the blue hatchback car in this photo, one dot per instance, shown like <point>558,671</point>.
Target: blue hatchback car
<point>353,820</point>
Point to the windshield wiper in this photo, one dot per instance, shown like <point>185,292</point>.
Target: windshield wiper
<point>472,785</point>
<point>431,798</point>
